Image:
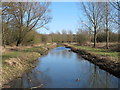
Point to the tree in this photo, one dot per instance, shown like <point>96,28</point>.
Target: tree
<point>110,18</point>
<point>58,37</point>
<point>31,38</point>
<point>82,36</point>
<point>27,16</point>
<point>94,15</point>
<point>107,19</point>
<point>116,11</point>
<point>6,18</point>
<point>116,5</point>
<point>52,37</point>
<point>70,36</point>
<point>44,38</point>
<point>64,36</point>
<point>89,28</point>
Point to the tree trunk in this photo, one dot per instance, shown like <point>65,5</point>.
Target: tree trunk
<point>89,38</point>
<point>18,42</point>
<point>95,35</point>
<point>107,38</point>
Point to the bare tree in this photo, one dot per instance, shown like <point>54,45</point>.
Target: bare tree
<point>116,8</point>
<point>28,16</point>
<point>94,15</point>
<point>89,28</point>
<point>6,19</point>
<point>106,22</point>
<point>116,5</point>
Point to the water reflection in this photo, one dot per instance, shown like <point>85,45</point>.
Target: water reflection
<point>65,67</point>
<point>60,68</point>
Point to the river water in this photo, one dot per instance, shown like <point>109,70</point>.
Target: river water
<point>62,68</point>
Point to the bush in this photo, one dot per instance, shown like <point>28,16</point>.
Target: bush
<point>101,37</point>
<point>31,38</point>
<point>82,38</point>
<point>113,37</point>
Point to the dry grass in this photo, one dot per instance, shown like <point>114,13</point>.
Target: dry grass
<point>20,59</point>
<point>14,67</point>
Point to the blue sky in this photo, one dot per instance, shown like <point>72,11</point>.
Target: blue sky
<point>64,16</point>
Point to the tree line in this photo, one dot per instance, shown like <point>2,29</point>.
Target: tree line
<point>81,37</point>
<point>20,20</point>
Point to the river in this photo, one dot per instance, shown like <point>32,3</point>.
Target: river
<point>62,68</point>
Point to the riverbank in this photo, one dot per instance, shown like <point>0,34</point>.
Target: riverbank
<point>18,61</point>
<point>103,58</point>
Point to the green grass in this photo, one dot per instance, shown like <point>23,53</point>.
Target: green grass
<point>15,54</point>
<point>60,45</point>
<point>11,55</point>
<point>34,49</point>
<point>98,51</point>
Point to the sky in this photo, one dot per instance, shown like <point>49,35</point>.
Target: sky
<point>64,16</point>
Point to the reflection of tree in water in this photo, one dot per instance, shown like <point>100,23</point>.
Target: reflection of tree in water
<point>79,57</point>
<point>58,53</point>
<point>35,78</point>
<point>53,53</point>
<point>16,83</point>
<point>30,80</point>
<point>44,77</point>
<point>64,53</point>
<point>69,54</point>
<point>26,80</point>
<point>98,79</point>
<point>61,52</point>
<point>23,82</point>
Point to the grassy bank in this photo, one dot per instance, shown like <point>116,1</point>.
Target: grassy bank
<point>16,62</point>
<point>99,52</point>
<point>105,59</point>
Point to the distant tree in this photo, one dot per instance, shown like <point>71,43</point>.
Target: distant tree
<point>82,37</point>
<point>44,38</point>
<point>31,38</point>
<point>113,37</point>
<point>58,37</point>
<point>64,36</point>
<point>101,37</point>
<point>70,36</point>
<point>52,37</point>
